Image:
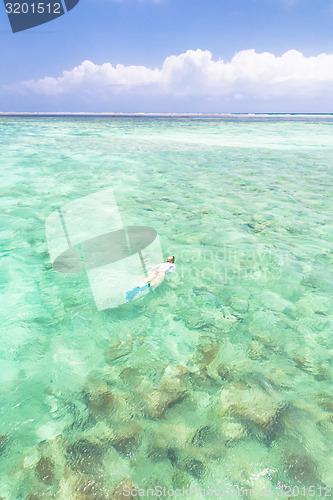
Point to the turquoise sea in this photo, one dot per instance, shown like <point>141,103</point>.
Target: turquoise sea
<point>220,378</point>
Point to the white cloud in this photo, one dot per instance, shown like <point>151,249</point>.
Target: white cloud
<point>194,73</point>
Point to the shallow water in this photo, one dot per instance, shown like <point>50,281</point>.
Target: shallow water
<point>222,376</point>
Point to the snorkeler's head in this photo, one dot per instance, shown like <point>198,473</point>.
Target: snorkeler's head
<point>171,259</point>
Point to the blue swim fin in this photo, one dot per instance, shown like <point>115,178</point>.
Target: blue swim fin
<point>131,294</point>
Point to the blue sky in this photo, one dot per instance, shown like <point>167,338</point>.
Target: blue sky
<point>143,33</point>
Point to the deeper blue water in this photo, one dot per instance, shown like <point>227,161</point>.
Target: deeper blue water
<point>222,377</point>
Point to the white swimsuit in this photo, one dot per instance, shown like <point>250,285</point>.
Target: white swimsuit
<point>166,267</point>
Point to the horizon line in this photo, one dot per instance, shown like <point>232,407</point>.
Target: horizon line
<point>143,114</point>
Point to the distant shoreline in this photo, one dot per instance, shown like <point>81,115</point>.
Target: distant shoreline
<point>168,115</point>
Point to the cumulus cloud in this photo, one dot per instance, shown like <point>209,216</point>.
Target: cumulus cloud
<point>195,73</point>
